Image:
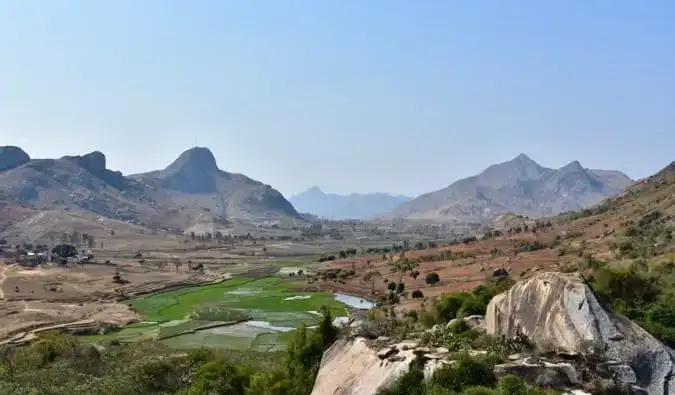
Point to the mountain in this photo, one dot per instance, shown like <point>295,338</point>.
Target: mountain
<point>353,206</point>
<point>519,186</point>
<point>194,178</point>
<point>191,194</point>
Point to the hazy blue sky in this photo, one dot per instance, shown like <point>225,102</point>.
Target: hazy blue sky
<point>352,95</point>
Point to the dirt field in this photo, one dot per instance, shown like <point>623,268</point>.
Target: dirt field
<point>567,242</point>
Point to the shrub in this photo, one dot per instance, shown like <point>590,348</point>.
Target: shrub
<point>417,294</point>
<point>465,373</point>
<point>410,383</point>
<point>472,306</point>
<point>432,278</point>
<point>512,385</point>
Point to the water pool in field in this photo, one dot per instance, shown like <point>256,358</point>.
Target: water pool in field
<point>259,313</point>
<point>354,301</point>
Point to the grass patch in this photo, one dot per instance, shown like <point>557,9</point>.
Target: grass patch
<point>178,304</point>
<point>197,317</point>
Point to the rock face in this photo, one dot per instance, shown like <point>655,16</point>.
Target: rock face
<point>560,313</point>
<point>12,157</point>
<point>353,367</point>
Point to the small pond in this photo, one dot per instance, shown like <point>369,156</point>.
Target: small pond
<point>354,301</point>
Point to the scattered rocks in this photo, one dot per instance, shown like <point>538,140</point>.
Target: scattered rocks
<point>543,374</point>
<point>476,322</point>
<point>387,352</point>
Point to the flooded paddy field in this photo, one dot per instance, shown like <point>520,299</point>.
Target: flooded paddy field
<point>241,314</point>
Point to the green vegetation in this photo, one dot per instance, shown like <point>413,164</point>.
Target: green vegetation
<point>210,316</point>
<point>642,293</point>
<point>57,364</point>
<point>257,295</point>
<point>468,376</point>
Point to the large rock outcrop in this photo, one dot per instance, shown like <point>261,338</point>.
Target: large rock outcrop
<point>360,367</point>
<point>559,313</point>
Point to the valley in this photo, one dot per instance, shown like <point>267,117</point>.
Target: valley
<point>260,281</point>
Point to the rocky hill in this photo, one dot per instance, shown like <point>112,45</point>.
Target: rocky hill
<point>551,331</point>
<point>190,192</point>
<point>519,186</point>
<point>353,206</point>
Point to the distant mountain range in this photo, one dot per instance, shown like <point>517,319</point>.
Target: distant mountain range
<point>519,186</point>
<point>353,206</point>
<point>191,194</point>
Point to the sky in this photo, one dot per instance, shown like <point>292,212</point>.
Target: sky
<point>390,96</point>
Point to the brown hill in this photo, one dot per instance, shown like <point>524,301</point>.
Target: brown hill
<point>519,186</point>
<point>190,192</point>
<point>633,228</point>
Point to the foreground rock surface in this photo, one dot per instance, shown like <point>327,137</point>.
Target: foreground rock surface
<point>355,367</point>
<point>559,313</point>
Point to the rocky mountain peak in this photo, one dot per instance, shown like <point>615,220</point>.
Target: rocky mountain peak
<point>12,157</point>
<point>195,159</point>
<point>572,166</point>
<point>94,162</point>
<point>193,172</point>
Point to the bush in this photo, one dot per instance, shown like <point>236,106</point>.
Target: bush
<point>417,294</point>
<point>472,306</point>
<point>512,385</point>
<point>64,250</point>
<point>410,383</point>
<point>432,278</point>
<point>632,288</point>
<point>465,373</point>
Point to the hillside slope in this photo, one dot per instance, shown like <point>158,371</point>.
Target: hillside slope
<point>632,229</point>
<point>353,206</point>
<point>520,186</point>
<point>189,192</point>
<point>194,182</point>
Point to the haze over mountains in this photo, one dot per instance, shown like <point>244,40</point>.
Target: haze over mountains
<point>520,186</point>
<point>190,193</point>
<point>193,195</point>
<point>352,206</point>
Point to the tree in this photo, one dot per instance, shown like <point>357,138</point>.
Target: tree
<point>391,286</point>
<point>414,274</point>
<point>400,288</point>
<point>64,250</point>
<point>417,294</point>
<point>403,266</point>
<point>432,278</point>
<point>218,377</point>
<point>371,277</point>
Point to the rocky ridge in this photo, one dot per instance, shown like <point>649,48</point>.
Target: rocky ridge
<point>574,345</point>
<point>520,186</point>
<point>192,191</point>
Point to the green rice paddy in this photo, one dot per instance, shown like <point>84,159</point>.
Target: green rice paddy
<point>239,314</point>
